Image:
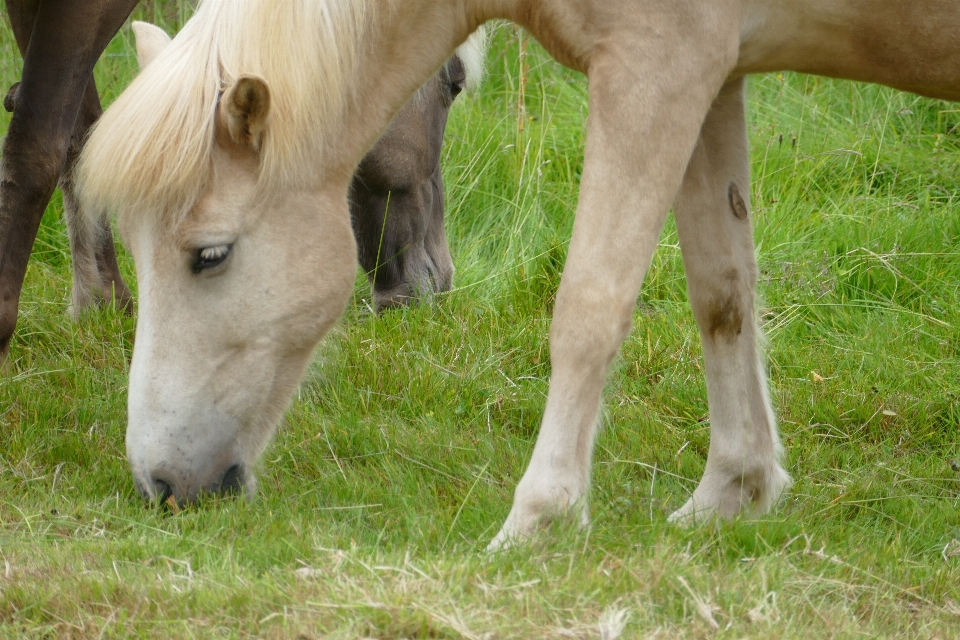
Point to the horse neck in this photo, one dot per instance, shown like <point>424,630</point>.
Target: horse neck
<point>409,41</point>
<point>403,51</point>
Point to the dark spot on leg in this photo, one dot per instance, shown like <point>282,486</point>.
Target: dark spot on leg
<point>725,312</point>
<point>736,202</point>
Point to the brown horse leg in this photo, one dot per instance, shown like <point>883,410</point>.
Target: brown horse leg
<point>96,275</point>
<point>742,474</point>
<point>58,63</point>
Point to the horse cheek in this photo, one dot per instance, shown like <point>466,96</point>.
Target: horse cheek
<point>319,271</point>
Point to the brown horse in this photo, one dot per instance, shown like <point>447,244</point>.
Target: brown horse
<point>53,106</point>
<point>402,247</point>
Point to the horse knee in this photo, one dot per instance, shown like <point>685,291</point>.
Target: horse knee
<point>588,323</point>
<point>29,170</point>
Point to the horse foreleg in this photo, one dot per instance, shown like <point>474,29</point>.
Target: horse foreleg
<point>742,474</point>
<point>646,108</point>
<point>65,40</point>
<point>96,274</point>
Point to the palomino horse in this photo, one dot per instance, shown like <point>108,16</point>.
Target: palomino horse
<point>244,252</point>
<point>404,250</point>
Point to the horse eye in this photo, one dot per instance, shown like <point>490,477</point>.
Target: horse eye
<point>210,257</point>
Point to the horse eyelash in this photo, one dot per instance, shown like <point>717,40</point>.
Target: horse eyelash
<point>211,256</point>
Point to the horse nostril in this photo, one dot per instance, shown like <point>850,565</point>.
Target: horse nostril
<point>161,490</point>
<point>232,481</point>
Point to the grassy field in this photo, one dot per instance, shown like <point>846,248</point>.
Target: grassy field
<point>397,461</point>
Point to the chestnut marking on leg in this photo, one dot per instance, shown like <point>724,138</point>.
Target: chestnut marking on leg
<point>736,202</point>
<point>726,315</point>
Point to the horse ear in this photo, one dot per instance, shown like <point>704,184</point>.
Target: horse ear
<point>244,109</point>
<point>151,40</point>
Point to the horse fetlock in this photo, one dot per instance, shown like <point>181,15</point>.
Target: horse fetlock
<point>86,280</point>
<point>90,292</point>
<point>727,494</point>
<point>536,506</point>
<point>82,298</point>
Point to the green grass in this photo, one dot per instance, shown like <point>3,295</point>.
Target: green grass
<point>397,460</point>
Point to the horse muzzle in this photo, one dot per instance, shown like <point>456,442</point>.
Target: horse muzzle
<point>162,481</point>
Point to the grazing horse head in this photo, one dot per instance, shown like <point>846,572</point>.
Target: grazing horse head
<point>396,195</point>
<point>396,198</point>
<point>241,267</point>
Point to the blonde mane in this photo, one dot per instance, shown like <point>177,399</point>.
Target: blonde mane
<point>472,54</point>
<point>151,151</point>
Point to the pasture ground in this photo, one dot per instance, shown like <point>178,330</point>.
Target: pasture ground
<point>397,460</point>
